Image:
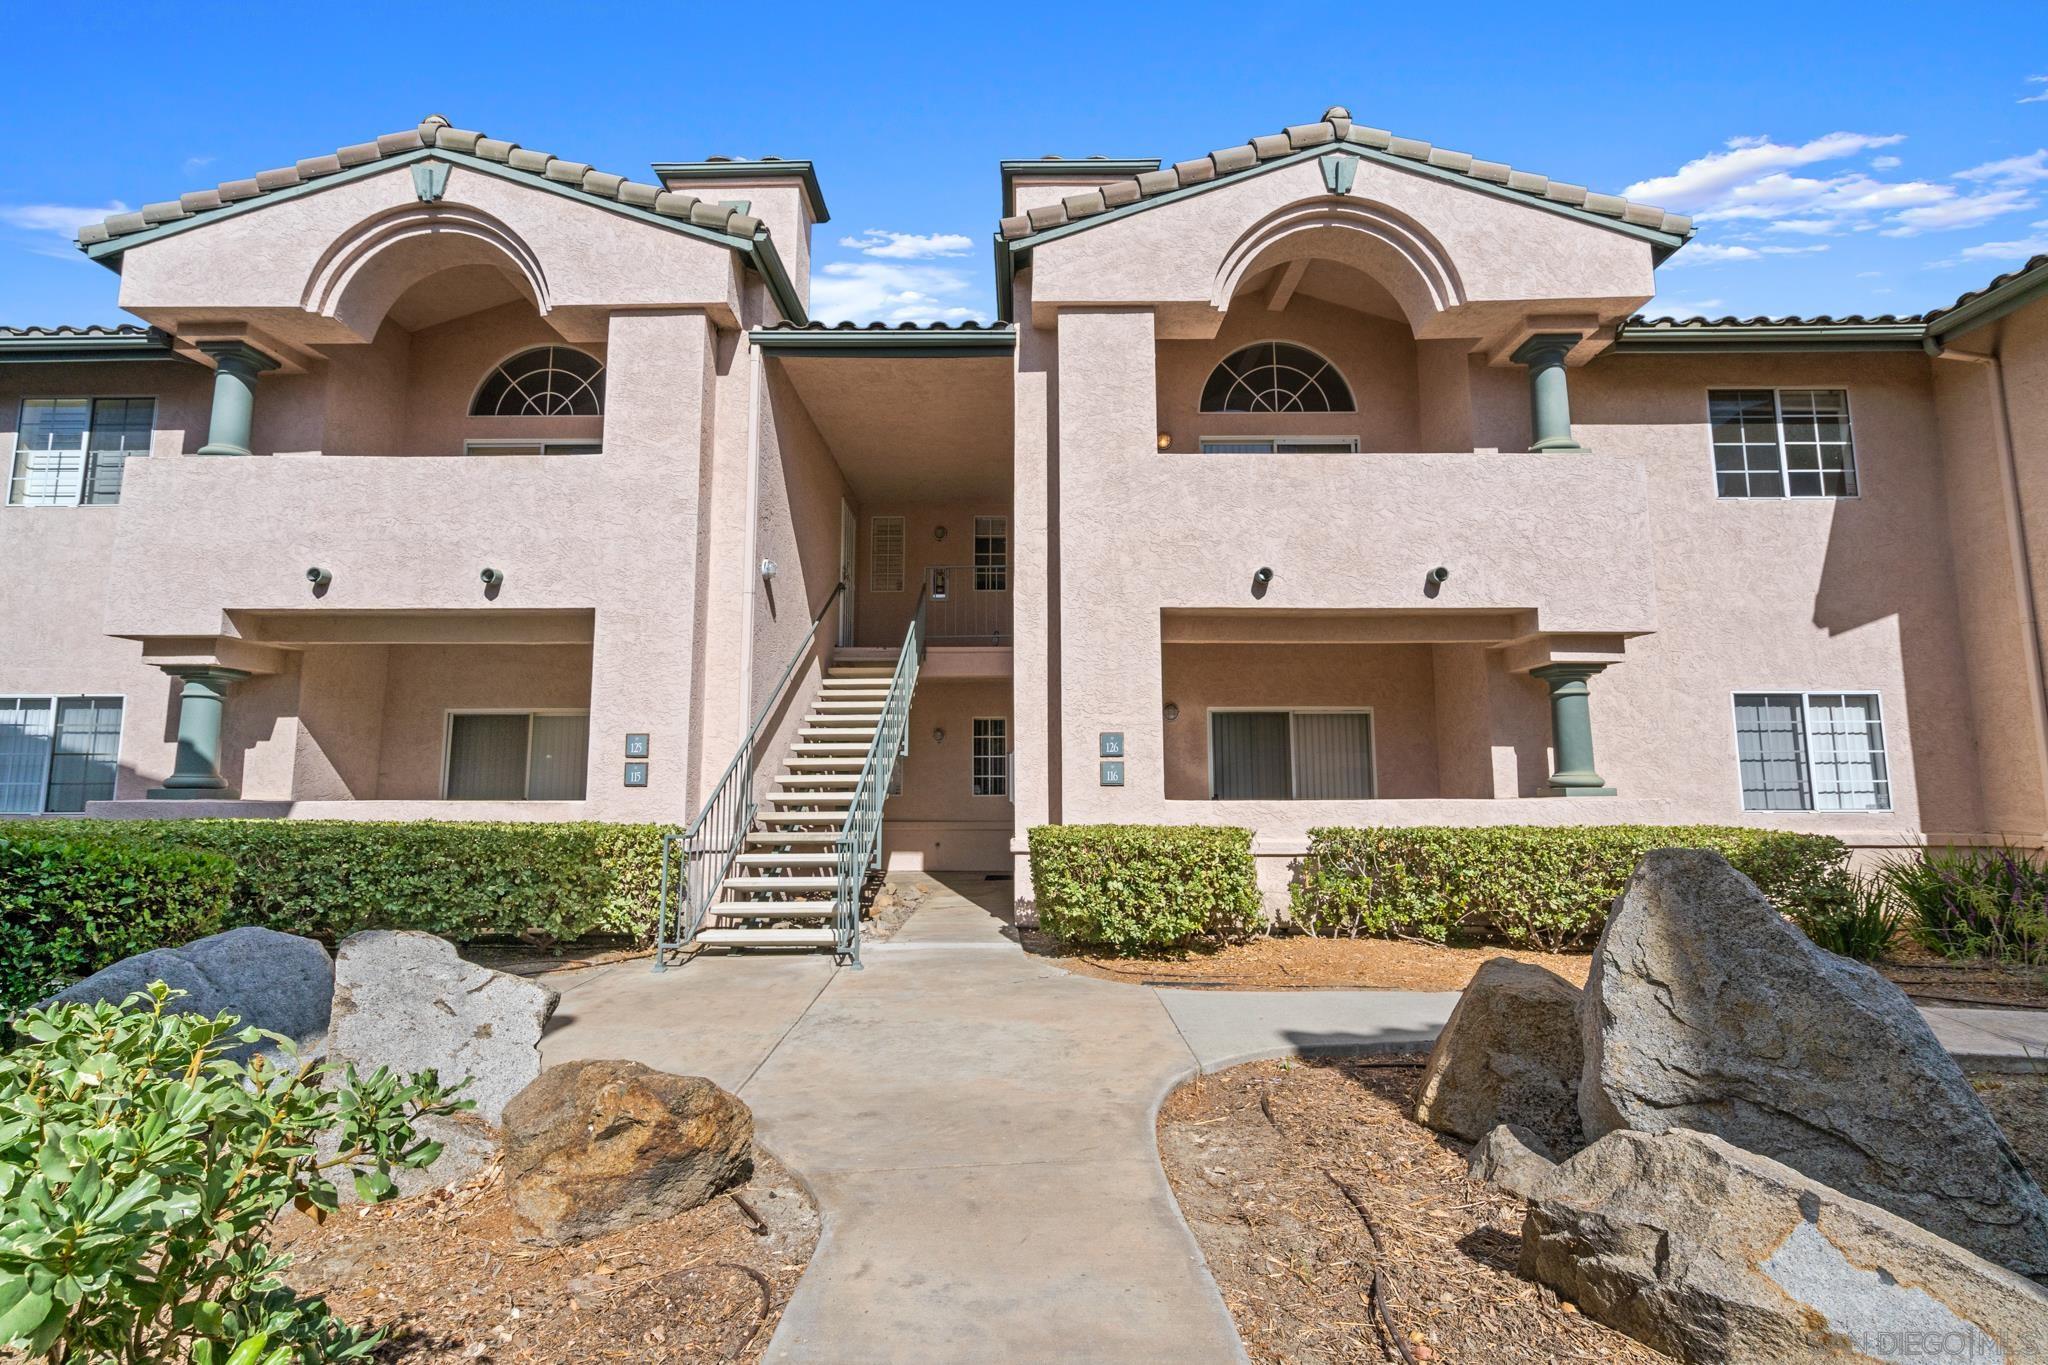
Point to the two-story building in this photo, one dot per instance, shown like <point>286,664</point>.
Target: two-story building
<point>1328,479</point>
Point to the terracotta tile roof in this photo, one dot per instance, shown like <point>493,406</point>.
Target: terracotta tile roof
<point>911,327</point>
<point>1640,323</point>
<point>2036,263</point>
<point>434,131</point>
<point>1334,129</point>
<point>123,329</point>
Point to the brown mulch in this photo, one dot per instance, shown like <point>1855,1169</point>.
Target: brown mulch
<point>1290,961</point>
<point>451,1276</point>
<point>1266,1161</point>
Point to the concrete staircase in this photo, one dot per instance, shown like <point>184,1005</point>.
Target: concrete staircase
<point>783,889</point>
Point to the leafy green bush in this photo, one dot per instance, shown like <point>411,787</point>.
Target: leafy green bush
<point>1543,886</point>
<point>1860,924</point>
<point>462,880</point>
<point>70,906</point>
<point>1975,902</point>
<point>139,1170</point>
<point>1130,887</point>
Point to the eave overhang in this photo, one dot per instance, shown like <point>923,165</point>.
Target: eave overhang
<point>896,343</point>
<point>751,170</point>
<point>60,348</point>
<point>1764,338</point>
<point>1082,168</point>
<point>1991,305</point>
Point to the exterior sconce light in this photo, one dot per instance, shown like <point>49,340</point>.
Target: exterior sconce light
<point>938,533</point>
<point>768,569</point>
<point>493,578</point>
<point>938,736</point>
<point>1166,440</point>
<point>1263,576</point>
<point>1172,711</point>
<point>1439,574</point>
<point>319,578</point>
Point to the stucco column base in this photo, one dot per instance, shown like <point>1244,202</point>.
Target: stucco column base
<point>1558,443</point>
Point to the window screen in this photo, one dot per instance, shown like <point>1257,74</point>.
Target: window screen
<point>1811,751</point>
<point>25,729</point>
<point>86,752</point>
<point>1791,443</point>
<point>72,451</point>
<point>885,564</point>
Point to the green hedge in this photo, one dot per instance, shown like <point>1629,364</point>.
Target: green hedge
<point>328,879</point>
<point>70,906</point>
<point>1129,887</point>
<point>1541,886</point>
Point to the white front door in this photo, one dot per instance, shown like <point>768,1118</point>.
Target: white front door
<point>849,538</point>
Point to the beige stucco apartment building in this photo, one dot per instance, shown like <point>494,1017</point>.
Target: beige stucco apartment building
<point>1326,479</point>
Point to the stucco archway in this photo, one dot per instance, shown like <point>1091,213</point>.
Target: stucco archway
<point>367,269</point>
<point>1392,249</point>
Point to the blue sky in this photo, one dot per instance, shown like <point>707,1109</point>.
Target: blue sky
<point>1872,158</point>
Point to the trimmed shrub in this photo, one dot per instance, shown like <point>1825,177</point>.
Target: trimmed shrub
<point>327,879</point>
<point>1132,887</point>
<point>1541,886</point>
<point>70,906</point>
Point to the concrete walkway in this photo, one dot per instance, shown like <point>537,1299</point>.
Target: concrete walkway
<point>977,1126</point>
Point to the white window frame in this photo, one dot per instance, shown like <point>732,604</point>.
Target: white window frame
<point>92,402</point>
<point>902,525</point>
<point>1806,696</point>
<point>508,446</point>
<point>1000,772</point>
<point>1321,445</point>
<point>1000,563</point>
<point>1778,392</point>
<point>448,746</point>
<point>50,759</point>
<point>1372,733</point>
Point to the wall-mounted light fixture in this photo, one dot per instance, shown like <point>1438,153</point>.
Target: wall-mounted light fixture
<point>938,533</point>
<point>493,578</point>
<point>319,578</point>
<point>1262,576</point>
<point>1172,711</point>
<point>1166,440</point>
<point>1439,574</point>
<point>768,569</point>
<point>938,735</point>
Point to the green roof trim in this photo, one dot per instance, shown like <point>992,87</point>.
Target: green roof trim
<point>759,250</point>
<point>1059,168</point>
<point>2002,296</point>
<point>1662,243</point>
<point>922,343</point>
<point>1764,337</point>
<point>766,168</point>
<point>62,345</point>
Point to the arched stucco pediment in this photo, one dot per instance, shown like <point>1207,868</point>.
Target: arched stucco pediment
<point>1372,238</point>
<point>366,269</point>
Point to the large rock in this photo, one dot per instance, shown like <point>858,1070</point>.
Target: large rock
<point>1711,1253</point>
<point>1707,1010</point>
<point>1512,1159</point>
<point>273,981</point>
<point>409,1001</point>
<point>592,1147</point>
<point>1508,1054</point>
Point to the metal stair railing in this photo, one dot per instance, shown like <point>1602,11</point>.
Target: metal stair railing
<point>694,863</point>
<point>860,838</point>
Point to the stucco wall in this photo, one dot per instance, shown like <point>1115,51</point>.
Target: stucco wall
<point>883,617</point>
<point>937,822</point>
<point>425,682</point>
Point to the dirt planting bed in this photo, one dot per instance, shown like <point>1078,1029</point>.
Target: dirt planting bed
<point>450,1276</point>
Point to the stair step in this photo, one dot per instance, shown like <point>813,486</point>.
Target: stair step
<point>825,748</point>
<point>837,729</point>
<point>781,883</point>
<point>791,837</point>
<point>788,859</point>
<point>795,798</point>
<point>876,669</point>
<point>817,780</point>
<point>827,706</point>
<point>767,938</point>
<point>743,910</point>
<point>874,684</point>
<point>831,819</point>
<point>848,725</point>
<point>827,762</point>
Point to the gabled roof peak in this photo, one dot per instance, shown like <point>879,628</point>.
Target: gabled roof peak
<point>1336,129</point>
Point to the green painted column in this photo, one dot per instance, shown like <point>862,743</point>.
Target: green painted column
<point>1571,729</point>
<point>1550,404</point>
<point>236,366</point>
<point>202,703</point>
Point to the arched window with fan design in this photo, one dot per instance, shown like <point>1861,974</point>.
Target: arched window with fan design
<point>546,381</point>
<point>1276,376</point>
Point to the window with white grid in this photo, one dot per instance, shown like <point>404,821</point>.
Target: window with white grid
<point>991,756</point>
<point>57,753</point>
<point>885,563</point>
<point>1812,751</point>
<point>1782,443</point>
<point>991,554</point>
<point>72,451</point>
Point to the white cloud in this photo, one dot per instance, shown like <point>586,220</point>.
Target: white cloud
<point>1886,163</point>
<point>1713,253</point>
<point>2040,96</point>
<point>197,163</point>
<point>1961,211</point>
<point>2035,244</point>
<point>55,225</point>
<point>879,291</point>
<point>908,246</point>
<point>2013,170</point>
<point>1706,179</point>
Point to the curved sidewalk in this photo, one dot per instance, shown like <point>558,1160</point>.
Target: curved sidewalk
<point>977,1126</point>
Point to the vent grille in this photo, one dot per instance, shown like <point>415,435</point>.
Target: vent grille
<point>885,565</point>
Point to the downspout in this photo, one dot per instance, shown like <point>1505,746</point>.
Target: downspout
<point>750,561</point>
<point>2022,560</point>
